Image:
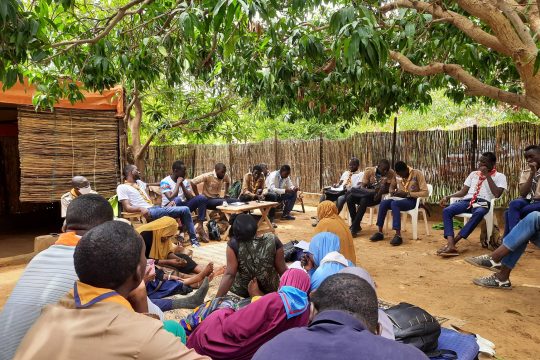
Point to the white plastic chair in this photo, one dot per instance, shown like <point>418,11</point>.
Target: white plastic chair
<point>489,217</point>
<point>414,214</point>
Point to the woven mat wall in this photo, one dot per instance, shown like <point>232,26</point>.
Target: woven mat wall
<point>54,147</point>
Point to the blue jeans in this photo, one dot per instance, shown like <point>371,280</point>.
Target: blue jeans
<point>516,241</point>
<point>288,201</point>
<point>396,206</point>
<point>178,212</point>
<point>198,203</point>
<point>213,203</point>
<point>163,304</point>
<point>517,210</point>
<point>461,207</point>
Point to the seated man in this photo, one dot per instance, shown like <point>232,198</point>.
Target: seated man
<point>349,179</point>
<point>95,317</point>
<point>344,326</point>
<point>51,273</point>
<point>506,256</point>
<point>80,186</point>
<point>176,188</point>
<point>281,189</point>
<point>369,192</point>
<point>410,185</point>
<point>265,170</point>
<point>479,189</point>
<point>213,182</point>
<point>133,197</point>
<point>253,187</point>
<point>529,191</point>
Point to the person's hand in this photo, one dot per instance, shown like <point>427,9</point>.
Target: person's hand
<point>534,167</point>
<point>260,197</point>
<point>307,261</point>
<point>335,185</point>
<point>180,180</point>
<point>289,191</point>
<point>148,276</point>
<point>253,288</point>
<point>145,213</point>
<point>444,201</point>
<point>401,194</point>
<point>171,204</point>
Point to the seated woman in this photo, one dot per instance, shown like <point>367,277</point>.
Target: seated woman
<point>158,236</point>
<point>330,221</point>
<point>230,334</point>
<point>324,258</point>
<point>385,323</point>
<point>250,257</point>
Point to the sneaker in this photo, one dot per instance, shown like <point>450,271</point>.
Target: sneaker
<point>493,282</point>
<point>396,241</point>
<point>484,261</point>
<point>378,236</point>
<point>195,243</point>
<point>288,217</point>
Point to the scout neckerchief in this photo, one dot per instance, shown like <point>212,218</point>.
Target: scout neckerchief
<point>481,179</point>
<point>405,183</point>
<point>138,188</point>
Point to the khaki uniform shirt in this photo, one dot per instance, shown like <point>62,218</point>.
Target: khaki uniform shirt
<point>523,179</point>
<point>211,184</point>
<point>105,331</point>
<point>370,178</point>
<point>250,188</point>
<point>415,185</point>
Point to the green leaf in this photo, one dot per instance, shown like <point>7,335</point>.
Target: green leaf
<point>409,29</point>
<point>162,50</point>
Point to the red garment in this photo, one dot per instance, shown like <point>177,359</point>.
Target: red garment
<point>229,334</point>
<point>481,179</point>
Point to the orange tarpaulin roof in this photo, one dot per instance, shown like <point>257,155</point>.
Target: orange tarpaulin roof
<point>112,99</point>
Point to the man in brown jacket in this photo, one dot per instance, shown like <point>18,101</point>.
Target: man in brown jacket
<point>94,320</point>
<point>410,185</point>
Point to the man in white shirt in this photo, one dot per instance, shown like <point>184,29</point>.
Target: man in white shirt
<point>479,189</point>
<point>349,179</point>
<point>79,186</point>
<point>133,197</point>
<point>176,188</point>
<point>281,189</point>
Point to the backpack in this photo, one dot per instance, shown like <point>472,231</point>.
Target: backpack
<point>234,190</point>
<point>115,204</point>
<point>213,230</point>
<point>414,326</point>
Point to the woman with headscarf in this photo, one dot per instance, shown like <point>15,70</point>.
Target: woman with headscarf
<point>251,257</point>
<point>230,334</point>
<point>324,258</point>
<point>386,325</point>
<point>158,236</point>
<point>330,221</point>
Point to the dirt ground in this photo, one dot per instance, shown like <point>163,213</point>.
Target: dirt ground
<point>413,273</point>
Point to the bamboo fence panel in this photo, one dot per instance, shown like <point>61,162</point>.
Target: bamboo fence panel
<point>445,157</point>
<point>56,146</point>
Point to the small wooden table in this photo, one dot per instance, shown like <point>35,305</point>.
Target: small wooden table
<point>264,224</point>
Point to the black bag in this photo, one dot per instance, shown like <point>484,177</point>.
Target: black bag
<point>290,251</point>
<point>213,230</point>
<point>414,326</point>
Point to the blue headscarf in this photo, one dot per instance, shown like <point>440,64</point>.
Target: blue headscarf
<point>294,285</point>
<point>322,244</point>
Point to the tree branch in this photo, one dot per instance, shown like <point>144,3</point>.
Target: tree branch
<point>521,29</point>
<point>474,86</point>
<point>122,12</point>
<point>459,21</point>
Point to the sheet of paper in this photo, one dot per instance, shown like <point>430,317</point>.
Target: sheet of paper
<point>304,245</point>
<point>339,188</point>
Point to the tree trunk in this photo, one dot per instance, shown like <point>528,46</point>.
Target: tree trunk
<point>136,148</point>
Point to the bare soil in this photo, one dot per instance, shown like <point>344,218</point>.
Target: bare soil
<point>413,273</point>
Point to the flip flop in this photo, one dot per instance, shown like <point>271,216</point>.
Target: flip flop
<point>448,253</point>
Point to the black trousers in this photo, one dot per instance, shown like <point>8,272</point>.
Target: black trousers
<point>357,214</point>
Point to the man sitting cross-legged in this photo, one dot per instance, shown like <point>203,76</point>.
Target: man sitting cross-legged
<point>349,179</point>
<point>94,319</point>
<point>506,256</point>
<point>405,190</point>
<point>345,325</point>
<point>529,191</point>
<point>132,194</point>
<point>51,273</point>
<point>176,188</point>
<point>213,182</point>
<point>480,187</point>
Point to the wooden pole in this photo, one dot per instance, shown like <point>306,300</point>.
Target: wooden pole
<point>321,162</point>
<point>276,155</point>
<point>474,147</point>
<point>394,140</point>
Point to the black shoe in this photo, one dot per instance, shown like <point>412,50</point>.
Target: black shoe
<point>288,217</point>
<point>484,261</point>
<point>378,236</point>
<point>493,282</point>
<point>396,241</point>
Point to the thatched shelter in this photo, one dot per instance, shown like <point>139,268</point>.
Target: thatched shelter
<point>41,151</point>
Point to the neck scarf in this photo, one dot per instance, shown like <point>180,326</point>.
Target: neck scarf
<point>405,183</point>
<point>87,295</point>
<point>348,182</point>
<point>68,239</point>
<point>138,188</point>
<point>481,179</point>
<point>161,228</point>
<point>73,193</point>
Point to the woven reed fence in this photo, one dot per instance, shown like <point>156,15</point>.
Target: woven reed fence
<point>445,157</point>
<point>56,146</point>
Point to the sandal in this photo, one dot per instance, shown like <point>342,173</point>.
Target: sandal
<point>446,252</point>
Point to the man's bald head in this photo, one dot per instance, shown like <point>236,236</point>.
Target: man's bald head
<point>79,182</point>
